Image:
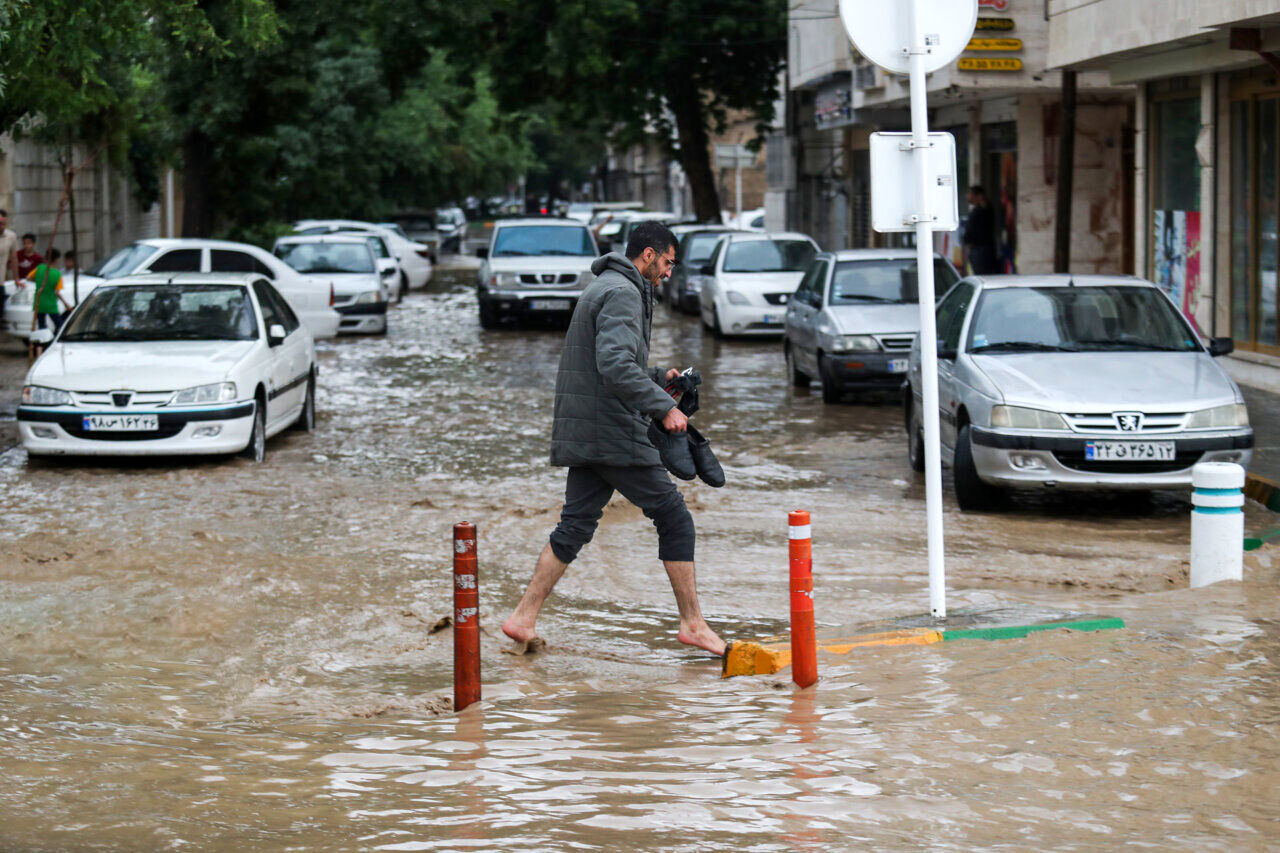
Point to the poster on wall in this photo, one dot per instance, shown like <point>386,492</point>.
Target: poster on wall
<point>1177,258</point>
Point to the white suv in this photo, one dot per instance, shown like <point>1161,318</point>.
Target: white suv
<point>534,268</point>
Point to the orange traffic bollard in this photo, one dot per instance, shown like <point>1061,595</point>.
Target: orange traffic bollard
<point>466,617</point>
<point>804,637</point>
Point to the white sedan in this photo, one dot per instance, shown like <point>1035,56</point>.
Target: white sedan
<point>745,286</point>
<point>159,365</point>
<point>310,298</point>
<point>414,258</point>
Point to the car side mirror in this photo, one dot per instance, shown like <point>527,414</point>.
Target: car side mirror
<point>482,252</point>
<point>707,269</point>
<point>275,335</point>
<point>1221,346</point>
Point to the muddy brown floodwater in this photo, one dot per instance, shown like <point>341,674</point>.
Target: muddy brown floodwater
<point>214,655</point>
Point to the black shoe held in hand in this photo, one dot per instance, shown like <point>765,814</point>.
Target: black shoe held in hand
<point>673,447</point>
<point>704,460</point>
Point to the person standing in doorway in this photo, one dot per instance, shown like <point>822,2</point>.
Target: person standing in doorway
<point>606,395</point>
<point>980,234</point>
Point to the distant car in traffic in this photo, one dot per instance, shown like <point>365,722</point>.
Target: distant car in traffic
<point>361,291</point>
<point>1074,382</point>
<point>697,242</point>
<point>533,268</point>
<point>451,224</point>
<point>854,318</point>
<point>173,364</point>
<point>634,219</point>
<point>414,258</point>
<point>388,268</point>
<point>311,299</point>
<point>749,279</point>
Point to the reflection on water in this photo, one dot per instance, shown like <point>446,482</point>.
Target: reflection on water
<point>218,655</point>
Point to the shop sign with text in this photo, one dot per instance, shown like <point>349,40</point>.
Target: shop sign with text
<point>976,63</point>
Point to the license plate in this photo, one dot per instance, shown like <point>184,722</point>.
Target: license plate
<point>1130,451</point>
<point>771,319</point>
<point>549,304</point>
<point>121,423</point>
<point>898,365</point>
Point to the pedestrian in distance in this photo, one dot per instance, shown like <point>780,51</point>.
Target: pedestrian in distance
<point>980,234</point>
<point>8,258</point>
<point>28,257</point>
<point>47,280</point>
<point>606,395</point>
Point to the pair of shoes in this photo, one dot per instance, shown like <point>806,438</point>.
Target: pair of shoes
<point>687,454</point>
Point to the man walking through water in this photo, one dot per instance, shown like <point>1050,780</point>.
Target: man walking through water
<point>605,395</point>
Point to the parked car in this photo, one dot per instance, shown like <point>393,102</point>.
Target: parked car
<point>361,293</point>
<point>1074,382</point>
<point>534,268</point>
<point>388,268</point>
<point>854,318</point>
<point>172,364</point>
<point>310,299</point>
<point>749,279</point>
<point>633,219</point>
<point>581,211</point>
<point>748,220</point>
<point>697,242</point>
<point>414,258</point>
<point>451,224</point>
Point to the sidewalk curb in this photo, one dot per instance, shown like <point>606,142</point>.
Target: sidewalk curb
<point>1263,490</point>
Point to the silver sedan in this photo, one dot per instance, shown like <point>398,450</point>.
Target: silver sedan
<point>1074,383</point>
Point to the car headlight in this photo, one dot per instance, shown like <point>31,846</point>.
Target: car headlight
<point>38,395</point>
<point>1235,415</point>
<point>504,279</point>
<point>218,392</point>
<point>1017,417</point>
<point>852,343</point>
<point>369,297</point>
<point>736,298</point>
<point>693,284</point>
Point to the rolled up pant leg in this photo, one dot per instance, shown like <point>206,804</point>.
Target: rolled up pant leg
<point>651,489</point>
<point>585,495</point>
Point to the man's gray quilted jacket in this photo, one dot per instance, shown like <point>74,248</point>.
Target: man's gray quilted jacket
<point>605,390</point>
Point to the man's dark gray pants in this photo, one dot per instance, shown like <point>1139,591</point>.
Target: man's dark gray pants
<point>589,489</point>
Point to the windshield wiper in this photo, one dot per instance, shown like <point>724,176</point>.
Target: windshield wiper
<point>1022,346</point>
<point>1137,345</point>
<point>864,297</point>
<point>561,252</point>
<point>511,253</point>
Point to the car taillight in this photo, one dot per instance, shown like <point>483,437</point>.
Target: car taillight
<point>332,298</point>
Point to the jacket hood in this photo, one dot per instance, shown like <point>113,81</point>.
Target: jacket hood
<point>618,262</point>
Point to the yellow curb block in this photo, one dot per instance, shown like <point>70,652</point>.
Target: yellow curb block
<point>770,656</point>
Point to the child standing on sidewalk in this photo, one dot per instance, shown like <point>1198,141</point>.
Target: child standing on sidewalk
<point>48,283</point>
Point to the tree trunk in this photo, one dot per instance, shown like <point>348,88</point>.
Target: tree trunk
<point>1066,174</point>
<point>695,147</point>
<point>75,240</point>
<point>198,215</point>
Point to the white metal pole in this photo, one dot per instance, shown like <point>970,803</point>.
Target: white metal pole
<point>928,324</point>
<point>737,161</point>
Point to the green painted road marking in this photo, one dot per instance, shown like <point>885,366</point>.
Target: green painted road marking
<point>1253,543</point>
<point>1009,632</point>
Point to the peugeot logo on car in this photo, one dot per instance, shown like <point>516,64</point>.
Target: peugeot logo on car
<point>1128,421</point>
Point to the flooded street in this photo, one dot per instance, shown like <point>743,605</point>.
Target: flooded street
<point>217,655</point>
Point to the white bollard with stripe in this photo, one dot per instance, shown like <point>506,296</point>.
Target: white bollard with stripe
<point>1217,523</point>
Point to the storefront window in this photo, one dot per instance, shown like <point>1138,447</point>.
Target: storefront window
<point>1255,219</point>
<point>1175,199</point>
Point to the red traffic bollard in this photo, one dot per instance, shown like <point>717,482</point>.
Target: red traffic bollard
<point>466,617</point>
<point>804,638</point>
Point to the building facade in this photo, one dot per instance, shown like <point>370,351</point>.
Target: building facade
<point>1205,191</point>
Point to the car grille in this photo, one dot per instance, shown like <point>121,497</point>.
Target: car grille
<point>777,298</point>
<point>138,399</point>
<point>897,344</point>
<point>1076,461</point>
<point>762,326</point>
<point>167,430</point>
<point>548,278</point>
<point>1106,422</point>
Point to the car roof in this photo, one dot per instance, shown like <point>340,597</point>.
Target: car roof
<point>990,282</point>
<point>876,254</point>
<point>539,220</point>
<point>681,230</point>
<point>743,236</point>
<point>241,278</point>
<point>336,238</point>
<point>193,243</point>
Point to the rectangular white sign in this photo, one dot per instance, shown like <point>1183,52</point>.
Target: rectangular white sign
<point>893,183</point>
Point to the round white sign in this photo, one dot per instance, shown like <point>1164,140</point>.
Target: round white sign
<point>881,30</point>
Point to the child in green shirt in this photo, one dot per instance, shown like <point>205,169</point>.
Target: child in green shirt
<point>47,280</point>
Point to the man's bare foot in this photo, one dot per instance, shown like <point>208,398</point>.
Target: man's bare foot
<point>519,631</point>
<point>702,637</point>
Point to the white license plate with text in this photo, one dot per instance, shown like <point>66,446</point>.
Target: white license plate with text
<point>898,365</point>
<point>548,304</point>
<point>121,423</point>
<point>1130,451</point>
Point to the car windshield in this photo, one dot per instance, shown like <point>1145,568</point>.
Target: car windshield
<point>1078,319</point>
<point>699,246</point>
<point>769,256</point>
<point>542,240</point>
<point>326,257</point>
<point>122,262</point>
<point>164,312</point>
<point>885,280</point>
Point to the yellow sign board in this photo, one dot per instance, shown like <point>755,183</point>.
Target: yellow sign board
<point>1000,24</point>
<point>973,63</point>
<point>994,44</point>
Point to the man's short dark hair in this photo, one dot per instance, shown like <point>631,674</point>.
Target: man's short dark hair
<point>649,235</point>
<point>29,236</point>
<point>4,213</point>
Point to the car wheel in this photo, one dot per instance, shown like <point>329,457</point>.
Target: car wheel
<point>799,379</point>
<point>404,288</point>
<point>716,328</point>
<point>306,421</point>
<point>488,316</point>
<point>971,492</point>
<point>831,390</point>
<point>256,449</point>
<point>915,442</point>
